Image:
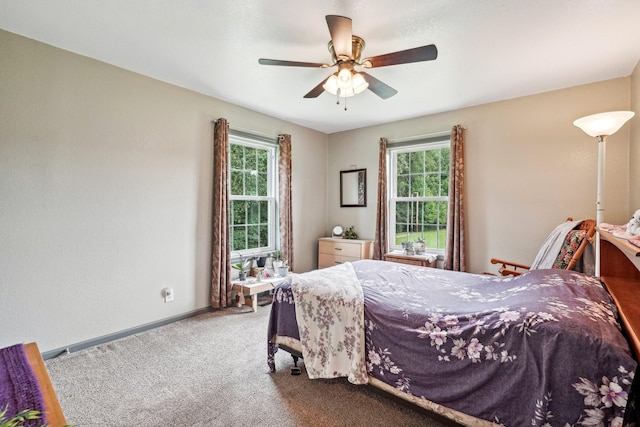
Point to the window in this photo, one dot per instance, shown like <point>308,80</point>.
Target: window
<point>253,195</point>
<point>419,193</point>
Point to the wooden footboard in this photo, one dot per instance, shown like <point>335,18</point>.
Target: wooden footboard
<point>55,417</point>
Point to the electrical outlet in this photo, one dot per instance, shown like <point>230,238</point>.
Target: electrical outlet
<point>168,294</point>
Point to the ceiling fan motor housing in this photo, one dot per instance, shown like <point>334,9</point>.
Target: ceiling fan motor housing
<point>357,44</point>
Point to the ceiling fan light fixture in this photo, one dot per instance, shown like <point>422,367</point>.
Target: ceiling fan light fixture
<point>331,85</point>
<point>346,93</point>
<point>359,84</point>
<point>344,77</point>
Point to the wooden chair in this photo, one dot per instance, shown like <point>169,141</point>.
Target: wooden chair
<point>572,250</point>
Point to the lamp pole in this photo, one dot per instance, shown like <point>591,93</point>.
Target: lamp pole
<point>602,153</point>
<point>600,126</point>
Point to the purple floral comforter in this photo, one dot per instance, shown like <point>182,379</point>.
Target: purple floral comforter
<point>541,349</point>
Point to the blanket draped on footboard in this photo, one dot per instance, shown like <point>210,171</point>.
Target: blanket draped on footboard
<point>542,349</point>
<point>19,389</point>
<point>330,317</point>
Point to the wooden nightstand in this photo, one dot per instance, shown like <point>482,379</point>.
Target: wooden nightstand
<point>420,260</point>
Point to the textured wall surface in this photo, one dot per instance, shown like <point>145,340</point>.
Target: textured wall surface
<point>105,195</point>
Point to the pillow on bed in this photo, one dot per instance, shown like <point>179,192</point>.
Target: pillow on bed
<point>569,247</point>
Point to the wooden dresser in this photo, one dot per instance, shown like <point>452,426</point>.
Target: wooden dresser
<point>333,251</point>
<point>410,259</point>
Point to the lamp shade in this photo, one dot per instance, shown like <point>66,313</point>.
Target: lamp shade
<point>603,124</point>
<point>331,85</point>
<point>344,78</point>
<point>359,83</point>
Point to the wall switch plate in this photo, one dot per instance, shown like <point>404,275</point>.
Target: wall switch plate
<point>168,294</point>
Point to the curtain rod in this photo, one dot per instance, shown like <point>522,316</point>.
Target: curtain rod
<point>423,136</point>
<point>252,132</point>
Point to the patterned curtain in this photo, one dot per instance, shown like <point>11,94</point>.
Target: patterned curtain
<point>221,245</point>
<point>284,202</point>
<point>454,249</point>
<point>380,242</point>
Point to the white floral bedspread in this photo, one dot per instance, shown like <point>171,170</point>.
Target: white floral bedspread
<point>330,315</point>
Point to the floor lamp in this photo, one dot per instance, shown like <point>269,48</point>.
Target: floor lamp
<point>601,126</point>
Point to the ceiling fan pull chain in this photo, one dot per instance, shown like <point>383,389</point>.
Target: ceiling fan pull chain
<point>345,103</point>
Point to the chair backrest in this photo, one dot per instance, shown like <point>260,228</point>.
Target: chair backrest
<point>574,245</point>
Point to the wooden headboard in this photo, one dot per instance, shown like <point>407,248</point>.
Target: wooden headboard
<point>620,271</point>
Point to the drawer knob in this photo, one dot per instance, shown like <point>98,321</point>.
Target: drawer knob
<point>338,249</point>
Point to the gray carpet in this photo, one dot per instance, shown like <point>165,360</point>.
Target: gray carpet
<point>210,370</point>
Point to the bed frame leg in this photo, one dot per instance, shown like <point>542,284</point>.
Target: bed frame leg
<point>295,370</point>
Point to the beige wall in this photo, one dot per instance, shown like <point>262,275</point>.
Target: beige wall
<point>105,195</point>
<point>528,168</point>
<point>634,149</point>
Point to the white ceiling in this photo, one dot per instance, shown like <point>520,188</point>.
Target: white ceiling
<point>488,50</point>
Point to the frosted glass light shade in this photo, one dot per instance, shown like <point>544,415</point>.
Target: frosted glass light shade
<point>334,87</point>
<point>603,124</point>
<point>344,78</point>
<point>359,83</point>
<point>346,93</point>
<point>331,85</point>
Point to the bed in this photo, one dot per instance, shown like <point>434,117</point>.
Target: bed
<point>25,384</point>
<point>543,348</point>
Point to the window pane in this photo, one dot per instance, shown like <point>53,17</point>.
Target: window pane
<point>402,166</point>
<point>237,183</point>
<point>264,235</point>
<point>238,238</point>
<point>430,237</point>
<point>238,212</point>
<point>432,161</point>
<point>253,234</point>
<point>444,184</point>
<point>254,213</point>
<point>443,208</point>
<point>251,184</point>
<point>263,161</point>
<point>403,186</point>
<point>262,184</point>
<point>402,212</point>
<point>445,159</point>
<point>417,186</point>
<point>417,161</point>
<point>432,185</point>
<point>264,212</point>
<point>250,159</point>
<point>237,156</point>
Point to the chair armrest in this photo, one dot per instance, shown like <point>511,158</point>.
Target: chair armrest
<point>509,268</point>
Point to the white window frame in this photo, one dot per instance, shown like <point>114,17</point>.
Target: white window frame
<point>272,193</point>
<point>392,153</point>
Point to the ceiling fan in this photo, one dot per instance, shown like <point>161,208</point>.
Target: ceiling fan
<point>346,50</point>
